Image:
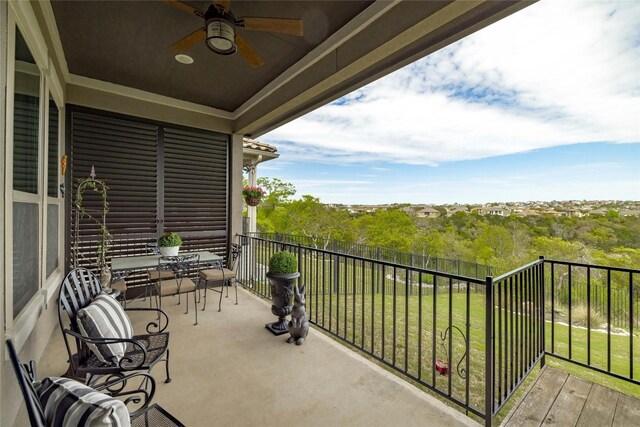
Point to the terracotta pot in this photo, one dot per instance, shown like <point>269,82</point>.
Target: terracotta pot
<point>253,201</point>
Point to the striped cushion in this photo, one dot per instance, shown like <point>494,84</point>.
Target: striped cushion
<point>67,402</point>
<point>105,318</point>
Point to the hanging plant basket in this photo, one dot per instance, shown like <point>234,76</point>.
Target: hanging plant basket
<point>252,195</point>
<point>253,201</point>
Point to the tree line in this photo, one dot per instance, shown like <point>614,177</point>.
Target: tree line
<point>504,243</point>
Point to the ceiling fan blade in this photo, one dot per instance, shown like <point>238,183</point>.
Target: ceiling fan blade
<point>223,4</point>
<point>247,51</point>
<point>187,42</point>
<point>184,7</point>
<point>274,25</point>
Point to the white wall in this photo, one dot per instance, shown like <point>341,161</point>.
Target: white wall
<point>3,83</point>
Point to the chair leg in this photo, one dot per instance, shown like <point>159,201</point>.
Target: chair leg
<point>159,305</point>
<point>195,303</point>
<point>205,295</point>
<point>220,301</point>
<point>187,304</point>
<point>198,288</point>
<point>235,284</point>
<point>166,365</point>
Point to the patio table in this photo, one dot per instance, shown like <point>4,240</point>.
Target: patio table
<point>122,266</point>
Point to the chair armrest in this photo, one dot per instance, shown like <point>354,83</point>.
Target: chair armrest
<point>153,324</point>
<point>100,340</point>
<point>143,393</point>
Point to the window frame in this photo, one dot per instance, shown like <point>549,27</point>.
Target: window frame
<point>21,15</point>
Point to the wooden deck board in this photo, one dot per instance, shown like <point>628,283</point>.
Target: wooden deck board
<point>534,407</point>
<point>559,399</point>
<point>568,406</point>
<point>599,408</point>
<point>627,412</point>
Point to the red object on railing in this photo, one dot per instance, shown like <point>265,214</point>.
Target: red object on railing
<point>442,367</point>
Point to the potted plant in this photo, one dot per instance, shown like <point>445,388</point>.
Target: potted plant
<point>252,195</point>
<point>282,274</point>
<point>169,244</point>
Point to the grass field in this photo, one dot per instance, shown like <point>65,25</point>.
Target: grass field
<point>404,328</point>
<point>414,356</point>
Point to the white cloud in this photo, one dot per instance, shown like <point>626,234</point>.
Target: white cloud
<point>556,73</point>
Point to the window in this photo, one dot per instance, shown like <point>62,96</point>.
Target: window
<point>34,210</point>
<point>26,164</point>
<point>53,201</point>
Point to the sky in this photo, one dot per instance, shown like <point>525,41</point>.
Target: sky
<point>542,105</point>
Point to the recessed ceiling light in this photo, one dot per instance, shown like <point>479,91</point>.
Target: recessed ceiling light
<point>184,59</point>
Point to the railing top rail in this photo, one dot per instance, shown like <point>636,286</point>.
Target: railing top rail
<point>380,262</point>
<point>603,267</point>
<point>517,270</point>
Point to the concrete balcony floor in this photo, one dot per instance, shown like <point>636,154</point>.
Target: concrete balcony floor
<point>230,370</point>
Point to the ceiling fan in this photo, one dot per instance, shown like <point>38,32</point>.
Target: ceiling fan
<point>219,30</point>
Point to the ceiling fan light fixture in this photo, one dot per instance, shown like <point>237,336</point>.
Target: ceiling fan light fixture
<point>221,36</point>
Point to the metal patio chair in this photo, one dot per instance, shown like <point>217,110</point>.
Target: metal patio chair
<point>181,268</point>
<point>153,275</point>
<point>143,352</point>
<point>141,396</point>
<point>221,275</point>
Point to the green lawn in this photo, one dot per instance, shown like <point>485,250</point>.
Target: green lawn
<point>403,326</point>
<point>359,319</point>
<point>405,331</point>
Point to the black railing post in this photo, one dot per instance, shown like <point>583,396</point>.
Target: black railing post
<point>300,259</point>
<point>336,268</point>
<point>378,267</point>
<point>488,362</point>
<point>542,313</point>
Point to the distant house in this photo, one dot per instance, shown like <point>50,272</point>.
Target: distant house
<point>362,208</point>
<point>408,210</point>
<point>528,212</point>
<point>629,212</point>
<point>457,209</point>
<point>573,213</point>
<point>596,212</point>
<point>428,212</point>
<point>493,211</point>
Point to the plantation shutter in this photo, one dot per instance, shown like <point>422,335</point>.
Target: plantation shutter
<point>124,154</point>
<point>159,177</point>
<point>25,143</point>
<point>195,188</point>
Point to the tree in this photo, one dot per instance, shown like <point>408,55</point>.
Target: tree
<point>310,218</point>
<point>390,228</point>
<point>278,193</point>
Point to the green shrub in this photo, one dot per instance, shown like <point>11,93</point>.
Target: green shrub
<point>283,263</point>
<point>579,317</point>
<point>169,240</point>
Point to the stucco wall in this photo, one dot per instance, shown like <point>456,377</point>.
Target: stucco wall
<point>3,84</point>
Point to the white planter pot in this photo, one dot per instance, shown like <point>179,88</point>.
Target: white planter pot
<point>169,250</point>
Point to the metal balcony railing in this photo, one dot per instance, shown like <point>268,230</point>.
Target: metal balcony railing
<point>472,341</point>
